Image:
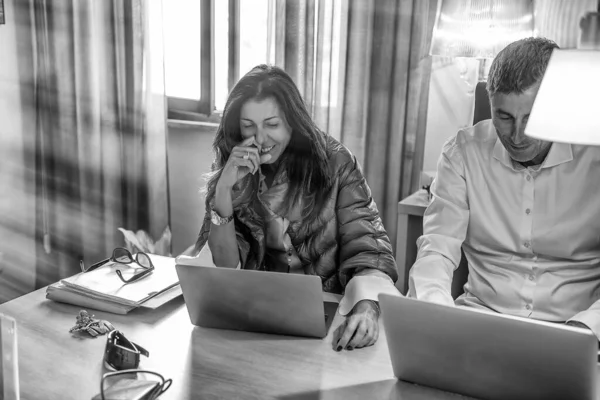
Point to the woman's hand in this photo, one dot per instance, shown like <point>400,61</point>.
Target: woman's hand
<point>360,329</point>
<point>245,158</point>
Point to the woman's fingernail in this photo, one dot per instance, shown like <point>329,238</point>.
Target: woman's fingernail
<point>339,348</point>
<point>349,348</point>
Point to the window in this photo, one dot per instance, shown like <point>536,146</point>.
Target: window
<point>209,45</point>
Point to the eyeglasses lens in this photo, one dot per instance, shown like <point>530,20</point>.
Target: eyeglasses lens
<point>122,256</point>
<point>144,260</point>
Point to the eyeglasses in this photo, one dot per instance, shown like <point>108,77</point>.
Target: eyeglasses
<point>123,256</point>
<point>115,384</point>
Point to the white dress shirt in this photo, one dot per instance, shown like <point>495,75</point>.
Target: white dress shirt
<point>531,236</point>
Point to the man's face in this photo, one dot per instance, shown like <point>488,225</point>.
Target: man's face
<point>510,113</point>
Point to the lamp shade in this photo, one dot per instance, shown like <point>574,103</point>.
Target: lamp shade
<point>480,28</point>
<point>567,106</point>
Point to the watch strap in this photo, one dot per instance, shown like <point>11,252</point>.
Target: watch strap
<point>142,350</point>
<point>217,219</point>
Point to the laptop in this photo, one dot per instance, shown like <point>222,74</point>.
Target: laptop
<point>255,301</point>
<point>487,355</point>
<point>9,370</point>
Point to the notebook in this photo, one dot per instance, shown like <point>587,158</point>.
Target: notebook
<point>256,301</point>
<point>102,289</point>
<point>488,355</point>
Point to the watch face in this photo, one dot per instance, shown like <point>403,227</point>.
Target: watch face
<point>118,356</point>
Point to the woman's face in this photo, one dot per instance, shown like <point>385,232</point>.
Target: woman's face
<point>264,120</point>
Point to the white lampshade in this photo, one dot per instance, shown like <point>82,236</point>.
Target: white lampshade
<point>567,106</point>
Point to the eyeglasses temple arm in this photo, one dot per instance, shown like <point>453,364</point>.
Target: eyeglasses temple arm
<point>93,266</point>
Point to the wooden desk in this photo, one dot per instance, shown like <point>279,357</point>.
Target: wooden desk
<point>203,363</point>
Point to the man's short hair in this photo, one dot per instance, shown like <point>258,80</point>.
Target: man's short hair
<point>520,65</point>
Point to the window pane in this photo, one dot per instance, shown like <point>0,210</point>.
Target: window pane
<point>253,34</point>
<point>182,48</point>
<point>221,53</point>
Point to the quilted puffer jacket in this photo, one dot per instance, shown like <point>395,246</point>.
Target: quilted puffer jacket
<point>346,235</point>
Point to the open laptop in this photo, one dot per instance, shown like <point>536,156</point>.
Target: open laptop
<point>9,370</point>
<point>487,355</point>
<point>256,301</point>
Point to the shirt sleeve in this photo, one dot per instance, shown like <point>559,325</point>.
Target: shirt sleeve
<point>590,317</point>
<point>366,284</point>
<point>445,225</point>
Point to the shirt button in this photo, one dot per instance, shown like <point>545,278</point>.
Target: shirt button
<point>528,307</point>
<point>526,244</point>
<point>527,211</point>
<point>528,178</point>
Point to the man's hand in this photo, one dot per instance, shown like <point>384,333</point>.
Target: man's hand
<point>360,329</point>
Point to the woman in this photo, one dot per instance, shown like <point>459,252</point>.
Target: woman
<point>283,196</point>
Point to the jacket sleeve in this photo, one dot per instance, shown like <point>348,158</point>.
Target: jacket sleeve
<point>243,245</point>
<point>362,239</point>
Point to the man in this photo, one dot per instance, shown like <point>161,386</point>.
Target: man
<point>526,212</point>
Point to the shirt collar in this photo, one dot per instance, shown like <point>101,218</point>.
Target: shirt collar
<point>559,153</point>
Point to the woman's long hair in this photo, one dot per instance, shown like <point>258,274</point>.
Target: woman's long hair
<point>305,157</point>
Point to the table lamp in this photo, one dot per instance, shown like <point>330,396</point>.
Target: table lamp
<point>567,104</point>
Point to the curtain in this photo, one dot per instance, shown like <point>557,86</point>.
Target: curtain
<point>363,67</point>
<point>95,156</point>
<point>558,20</point>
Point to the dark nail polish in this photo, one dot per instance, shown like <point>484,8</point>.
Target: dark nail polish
<point>339,348</point>
<point>349,348</point>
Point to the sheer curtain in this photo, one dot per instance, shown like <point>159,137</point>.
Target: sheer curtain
<point>363,67</point>
<point>95,158</point>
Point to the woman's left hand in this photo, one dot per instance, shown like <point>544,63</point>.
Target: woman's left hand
<point>360,329</point>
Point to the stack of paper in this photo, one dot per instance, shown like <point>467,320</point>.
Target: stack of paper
<point>102,289</point>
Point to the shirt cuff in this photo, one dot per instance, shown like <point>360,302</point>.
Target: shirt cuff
<point>366,285</point>
<point>430,279</point>
<point>203,259</point>
<point>589,318</point>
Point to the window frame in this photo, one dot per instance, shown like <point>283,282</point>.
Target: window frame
<point>204,109</point>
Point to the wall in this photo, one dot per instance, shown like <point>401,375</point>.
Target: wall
<point>450,107</point>
<point>190,156</point>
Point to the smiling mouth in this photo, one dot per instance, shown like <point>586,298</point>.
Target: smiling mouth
<point>265,150</point>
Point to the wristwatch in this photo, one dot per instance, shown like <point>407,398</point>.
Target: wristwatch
<point>121,353</point>
<point>216,219</point>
